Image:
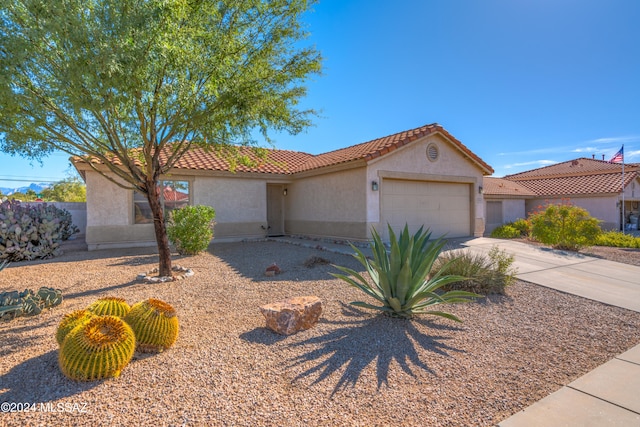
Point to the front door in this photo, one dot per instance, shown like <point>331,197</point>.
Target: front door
<point>275,210</point>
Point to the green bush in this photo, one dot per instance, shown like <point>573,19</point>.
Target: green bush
<point>32,231</point>
<point>618,239</point>
<point>512,230</point>
<point>400,279</point>
<point>523,226</point>
<point>190,228</point>
<point>564,226</point>
<point>506,231</point>
<point>487,274</point>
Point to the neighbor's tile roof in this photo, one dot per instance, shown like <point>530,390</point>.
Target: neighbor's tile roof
<point>504,187</point>
<point>579,176</point>
<point>289,162</point>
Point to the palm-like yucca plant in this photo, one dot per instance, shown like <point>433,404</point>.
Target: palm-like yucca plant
<point>401,278</point>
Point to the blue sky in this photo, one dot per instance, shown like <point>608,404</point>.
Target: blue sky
<point>522,83</point>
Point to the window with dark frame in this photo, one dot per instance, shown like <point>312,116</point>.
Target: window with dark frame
<point>173,195</point>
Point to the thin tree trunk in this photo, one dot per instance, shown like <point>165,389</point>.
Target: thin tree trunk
<point>164,251</point>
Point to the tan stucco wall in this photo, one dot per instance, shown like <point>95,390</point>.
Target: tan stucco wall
<point>110,216</point>
<point>330,205</point>
<point>411,162</point>
<point>240,204</point>
<point>107,203</point>
<point>513,209</point>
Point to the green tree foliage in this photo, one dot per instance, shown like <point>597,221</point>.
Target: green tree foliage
<point>564,226</point>
<point>67,190</point>
<point>135,84</point>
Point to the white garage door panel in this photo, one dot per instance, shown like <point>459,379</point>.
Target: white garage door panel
<point>442,207</point>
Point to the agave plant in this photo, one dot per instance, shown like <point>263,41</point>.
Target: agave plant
<point>401,278</point>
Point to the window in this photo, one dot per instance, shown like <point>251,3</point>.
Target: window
<point>174,195</point>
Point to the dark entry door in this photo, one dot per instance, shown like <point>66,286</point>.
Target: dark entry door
<point>275,209</point>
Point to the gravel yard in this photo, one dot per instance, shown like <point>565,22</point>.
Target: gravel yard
<point>355,368</point>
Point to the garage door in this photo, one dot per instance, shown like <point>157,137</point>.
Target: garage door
<point>442,207</point>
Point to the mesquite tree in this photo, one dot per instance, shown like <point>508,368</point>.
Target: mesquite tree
<point>131,85</point>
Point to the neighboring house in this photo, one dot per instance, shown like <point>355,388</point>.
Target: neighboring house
<point>504,201</point>
<point>592,184</point>
<point>422,176</point>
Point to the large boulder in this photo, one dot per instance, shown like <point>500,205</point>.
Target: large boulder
<point>292,315</point>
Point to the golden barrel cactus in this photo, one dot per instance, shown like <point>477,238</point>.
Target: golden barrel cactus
<point>97,349</point>
<point>110,306</point>
<point>155,325</point>
<point>70,321</point>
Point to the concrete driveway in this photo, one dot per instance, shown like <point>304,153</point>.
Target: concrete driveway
<point>589,277</point>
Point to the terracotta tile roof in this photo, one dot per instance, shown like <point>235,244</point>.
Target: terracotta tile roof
<point>503,187</point>
<point>290,162</point>
<point>276,161</point>
<point>381,146</point>
<point>579,176</point>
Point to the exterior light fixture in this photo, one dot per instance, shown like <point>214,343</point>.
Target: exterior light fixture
<point>480,190</point>
<point>374,185</point>
<point>284,192</point>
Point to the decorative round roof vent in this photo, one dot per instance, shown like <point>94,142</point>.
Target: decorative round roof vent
<point>432,152</point>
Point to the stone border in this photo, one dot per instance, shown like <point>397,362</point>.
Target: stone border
<point>147,278</point>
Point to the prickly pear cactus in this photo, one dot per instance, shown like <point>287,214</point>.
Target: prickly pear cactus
<point>32,231</point>
<point>97,349</point>
<point>50,297</point>
<point>27,302</point>
<point>70,321</point>
<point>110,306</point>
<point>155,324</point>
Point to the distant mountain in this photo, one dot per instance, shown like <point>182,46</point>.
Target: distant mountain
<point>37,187</point>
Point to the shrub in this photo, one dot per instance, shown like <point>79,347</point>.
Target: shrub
<point>400,280</point>
<point>618,239</point>
<point>190,228</point>
<point>523,226</point>
<point>506,231</point>
<point>32,231</point>
<point>564,226</point>
<point>486,274</point>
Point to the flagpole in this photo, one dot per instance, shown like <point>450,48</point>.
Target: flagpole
<point>622,187</point>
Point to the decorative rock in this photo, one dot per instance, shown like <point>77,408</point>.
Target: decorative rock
<point>183,272</point>
<point>272,270</point>
<point>292,315</point>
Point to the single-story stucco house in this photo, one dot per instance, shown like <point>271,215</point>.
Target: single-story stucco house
<point>594,185</point>
<point>422,176</point>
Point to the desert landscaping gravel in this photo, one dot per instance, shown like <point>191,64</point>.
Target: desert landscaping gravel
<point>354,368</point>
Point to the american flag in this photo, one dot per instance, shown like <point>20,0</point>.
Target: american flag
<point>618,157</point>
